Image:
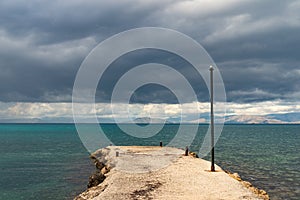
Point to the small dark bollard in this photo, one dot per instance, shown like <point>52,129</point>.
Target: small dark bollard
<point>160,143</point>
<point>186,151</point>
<point>117,154</point>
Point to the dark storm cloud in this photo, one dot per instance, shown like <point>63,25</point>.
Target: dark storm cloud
<point>257,81</point>
<point>57,21</point>
<point>152,92</point>
<point>255,44</point>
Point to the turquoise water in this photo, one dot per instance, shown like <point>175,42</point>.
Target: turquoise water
<point>48,161</point>
<point>42,162</point>
<point>266,155</point>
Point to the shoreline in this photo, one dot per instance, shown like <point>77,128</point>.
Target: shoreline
<point>260,192</point>
<point>161,173</point>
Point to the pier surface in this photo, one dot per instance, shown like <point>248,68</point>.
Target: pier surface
<point>138,172</point>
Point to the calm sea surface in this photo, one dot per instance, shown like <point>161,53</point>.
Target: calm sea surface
<point>48,161</point>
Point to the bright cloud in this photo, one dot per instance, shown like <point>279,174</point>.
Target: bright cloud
<point>190,112</point>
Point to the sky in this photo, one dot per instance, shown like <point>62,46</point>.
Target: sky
<point>255,44</point>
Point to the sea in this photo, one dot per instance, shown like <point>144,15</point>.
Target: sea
<point>49,161</point>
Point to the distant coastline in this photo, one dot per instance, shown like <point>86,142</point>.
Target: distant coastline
<point>283,118</point>
<point>70,123</point>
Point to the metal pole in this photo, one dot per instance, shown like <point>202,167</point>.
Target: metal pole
<point>212,168</point>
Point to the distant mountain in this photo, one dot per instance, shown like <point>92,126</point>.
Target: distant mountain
<point>21,120</point>
<point>250,119</point>
<point>148,120</point>
<point>38,120</point>
<point>286,118</point>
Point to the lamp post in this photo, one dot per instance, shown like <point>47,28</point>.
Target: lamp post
<point>212,168</point>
